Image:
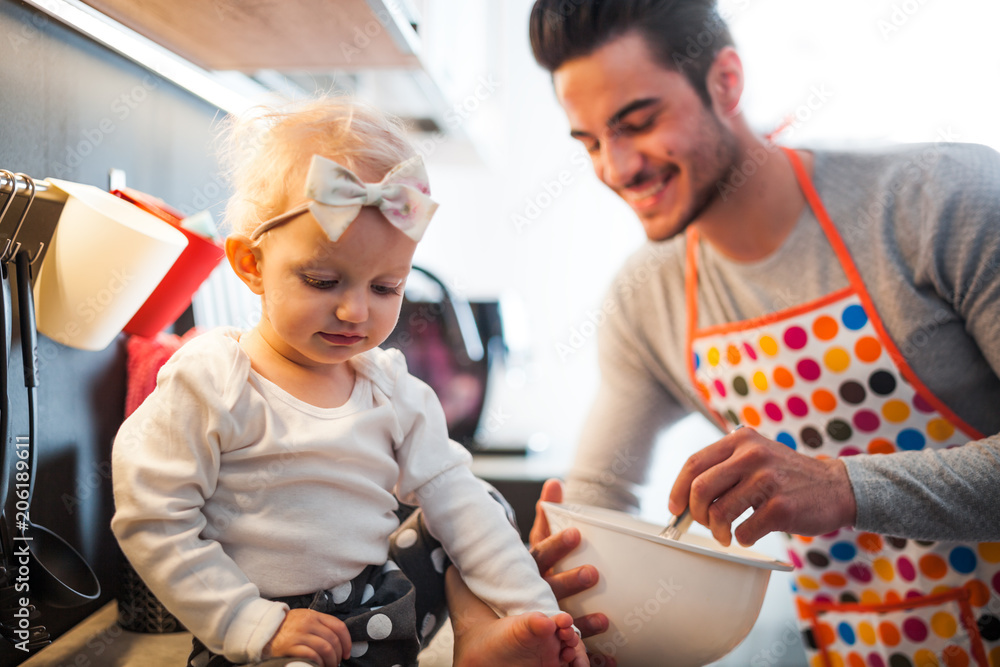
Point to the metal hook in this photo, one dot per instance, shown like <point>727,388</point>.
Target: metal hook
<point>13,191</point>
<point>38,253</point>
<point>8,254</point>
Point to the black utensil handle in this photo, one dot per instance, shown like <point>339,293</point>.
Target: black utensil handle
<point>26,312</point>
<point>32,446</point>
<point>29,351</point>
<point>8,315</point>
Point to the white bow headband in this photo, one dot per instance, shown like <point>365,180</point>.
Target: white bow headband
<point>336,196</point>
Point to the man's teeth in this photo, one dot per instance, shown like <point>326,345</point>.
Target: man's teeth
<point>648,192</point>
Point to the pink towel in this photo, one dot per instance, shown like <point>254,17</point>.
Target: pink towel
<point>145,357</point>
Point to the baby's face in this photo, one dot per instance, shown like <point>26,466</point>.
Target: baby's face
<point>325,302</point>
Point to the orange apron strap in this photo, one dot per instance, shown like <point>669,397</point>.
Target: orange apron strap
<point>972,627</point>
<point>854,276</point>
<point>810,611</point>
<point>691,300</point>
<point>691,296</point>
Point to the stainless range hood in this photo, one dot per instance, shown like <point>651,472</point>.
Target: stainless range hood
<point>299,35</point>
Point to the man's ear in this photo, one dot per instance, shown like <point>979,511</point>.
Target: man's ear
<point>725,82</point>
<point>246,259</point>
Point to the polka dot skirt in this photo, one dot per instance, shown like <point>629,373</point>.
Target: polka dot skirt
<point>378,608</point>
<point>390,610</point>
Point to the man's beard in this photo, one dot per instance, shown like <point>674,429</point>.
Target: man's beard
<point>725,158</point>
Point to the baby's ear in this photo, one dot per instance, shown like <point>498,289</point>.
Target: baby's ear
<point>245,258</point>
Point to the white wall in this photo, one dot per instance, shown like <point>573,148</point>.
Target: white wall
<point>529,220</point>
<point>529,217</point>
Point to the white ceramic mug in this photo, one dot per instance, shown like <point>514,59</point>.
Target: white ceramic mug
<point>106,257</point>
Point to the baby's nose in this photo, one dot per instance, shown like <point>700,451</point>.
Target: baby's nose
<point>353,307</point>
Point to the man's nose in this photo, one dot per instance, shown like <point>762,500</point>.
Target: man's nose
<point>620,162</point>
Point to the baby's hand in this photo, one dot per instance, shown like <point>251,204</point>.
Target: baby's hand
<point>573,652</point>
<point>310,635</point>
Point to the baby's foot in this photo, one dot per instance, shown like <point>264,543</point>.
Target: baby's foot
<point>528,640</point>
<point>572,651</point>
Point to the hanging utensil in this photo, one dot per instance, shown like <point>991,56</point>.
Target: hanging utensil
<point>6,546</point>
<point>12,246</point>
<point>60,576</point>
<point>6,460</point>
<point>34,636</point>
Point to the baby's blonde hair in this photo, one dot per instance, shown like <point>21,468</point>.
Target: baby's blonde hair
<point>267,153</point>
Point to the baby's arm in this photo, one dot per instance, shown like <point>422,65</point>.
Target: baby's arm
<point>472,527</point>
<point>495,564</point>
<point>165,465</point>
<point>310,635</point>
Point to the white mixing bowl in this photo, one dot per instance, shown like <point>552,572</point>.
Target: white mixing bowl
<point>683,603</point>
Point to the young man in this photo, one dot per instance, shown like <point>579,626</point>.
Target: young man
<point>844,306</point>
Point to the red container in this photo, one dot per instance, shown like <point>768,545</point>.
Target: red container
<point>173,295</point>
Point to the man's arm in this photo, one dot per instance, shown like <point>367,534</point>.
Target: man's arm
<point>951,246</point>
<point>630,409</point>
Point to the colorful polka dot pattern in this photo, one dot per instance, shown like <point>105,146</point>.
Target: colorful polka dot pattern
<point>890,571</point>
<point>822,382</point>
<point>910,638</point>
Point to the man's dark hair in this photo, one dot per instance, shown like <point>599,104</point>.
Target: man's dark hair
<point>682,35</point>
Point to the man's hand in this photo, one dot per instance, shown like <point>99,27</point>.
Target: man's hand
<point>788,491</point>
<point>310,635</point>
<point>549,549</point>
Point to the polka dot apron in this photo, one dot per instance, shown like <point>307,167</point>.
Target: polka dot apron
<point>825,379</point>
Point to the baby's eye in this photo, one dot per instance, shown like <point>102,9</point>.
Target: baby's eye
<point>318,283</point>
<point>386,290</point>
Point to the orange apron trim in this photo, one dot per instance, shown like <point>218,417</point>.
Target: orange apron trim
<point>959,595</point>
<point>691,297</point>
<point>772,318</point>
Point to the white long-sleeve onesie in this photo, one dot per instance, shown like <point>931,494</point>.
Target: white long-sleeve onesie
<point>230,491</point>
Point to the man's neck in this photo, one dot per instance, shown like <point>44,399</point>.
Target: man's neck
<point>758,203</point>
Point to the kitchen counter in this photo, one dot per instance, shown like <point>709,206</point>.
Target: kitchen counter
<point>98,641</point>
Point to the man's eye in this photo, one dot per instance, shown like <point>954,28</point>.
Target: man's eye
<point>635,128</point>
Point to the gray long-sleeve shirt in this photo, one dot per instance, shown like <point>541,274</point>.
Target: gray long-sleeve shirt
<point>922,224</point>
